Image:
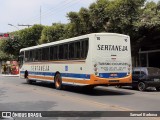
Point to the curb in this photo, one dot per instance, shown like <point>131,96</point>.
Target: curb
<point>9,75</point>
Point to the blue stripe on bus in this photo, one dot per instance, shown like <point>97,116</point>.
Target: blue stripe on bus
<point>73,75</point>
<point>109,75</point>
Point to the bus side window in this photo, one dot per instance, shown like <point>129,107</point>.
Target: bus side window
<point>45,53</point>
<point>84,49</point>
<point>51,53</point>
<point>65,51</point>
<point>30,55</point>
<point>36,54</point>
<point>27,56</point>
<point>55,52</point>
<point>40,54</point>
<point>61,52</point>
<point>77,50</point>
<point>71,51</point>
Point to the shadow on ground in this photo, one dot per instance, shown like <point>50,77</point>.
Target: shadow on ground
<point>149,89</point>
<point>97,91</point>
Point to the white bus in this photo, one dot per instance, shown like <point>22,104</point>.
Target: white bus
<point>90,60</point>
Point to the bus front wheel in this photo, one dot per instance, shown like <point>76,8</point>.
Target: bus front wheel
<point>58,81</point>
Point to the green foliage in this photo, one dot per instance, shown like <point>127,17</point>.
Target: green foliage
<point>30,36</point>
<point>98,15</point>
<point>11,46</point>
<point>149,20</point>
<point>123,14</point>
<point>75,25</point>
<point>4,55</point>
<point>24,38</point>
<point>52,33</point>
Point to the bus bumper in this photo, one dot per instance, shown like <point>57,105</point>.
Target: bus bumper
<point>111,81</point>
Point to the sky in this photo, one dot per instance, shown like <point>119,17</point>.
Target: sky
<point>28,12</point>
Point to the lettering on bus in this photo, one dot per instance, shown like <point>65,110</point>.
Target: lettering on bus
<point>40,68</point>
<point>107,63</point>
<point>118,66</point>
<point>107,69</point>
<point>112,47</point>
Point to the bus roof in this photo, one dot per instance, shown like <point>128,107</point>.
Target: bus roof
<point>71,39</point>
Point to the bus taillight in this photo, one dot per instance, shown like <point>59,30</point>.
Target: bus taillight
<point>129,68</point>
<point>95,70</point>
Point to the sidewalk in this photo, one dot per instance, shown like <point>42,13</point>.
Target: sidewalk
<point>9,75</point>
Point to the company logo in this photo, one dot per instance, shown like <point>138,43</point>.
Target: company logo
<point>12,115</point>
<point>6,114</point>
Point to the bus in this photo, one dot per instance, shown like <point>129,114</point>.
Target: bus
<point>97,59</point>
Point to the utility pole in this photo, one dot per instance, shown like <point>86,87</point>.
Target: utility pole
<point>25,25</point>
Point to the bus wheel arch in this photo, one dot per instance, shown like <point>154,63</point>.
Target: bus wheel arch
<point>58,80</point>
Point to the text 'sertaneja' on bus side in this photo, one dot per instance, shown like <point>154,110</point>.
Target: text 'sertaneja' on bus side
<point>93,59</point>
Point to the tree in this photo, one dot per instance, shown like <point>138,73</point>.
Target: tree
<point>85,22</point>
<point>52,33</point>
<point>11,46</point>
<point>75,23</point>
<point>148,26</point>
<point>123,14</point>
<point>20,39</point>
<point>30,36</point>
<point>5,56</point>
<point>98,15</point>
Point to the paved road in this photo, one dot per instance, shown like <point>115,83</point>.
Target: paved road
<point>16,95</point>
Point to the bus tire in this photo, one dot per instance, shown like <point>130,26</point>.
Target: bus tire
<point>58,81</point>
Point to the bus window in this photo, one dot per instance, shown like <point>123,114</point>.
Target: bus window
<point>61,52</point>
<point>27,56</point>
<point>39,54</point>
<point>71,51</point>
<point>77,50</point>
<point>51,53</point>
<point>84,49</point>
<point>36,54</point>
<point>65,51</point>
<point>21,59</point>
<point>45,53</point>
<point>30,55</point>
<point>55,53</point>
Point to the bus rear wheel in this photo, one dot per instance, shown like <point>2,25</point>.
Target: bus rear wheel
<point>58,81</point>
